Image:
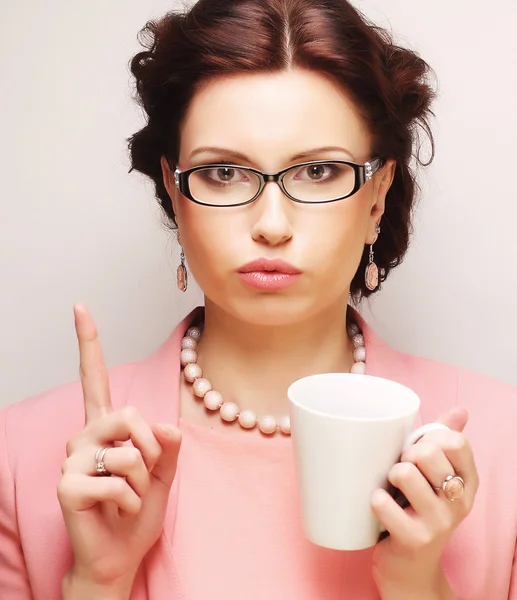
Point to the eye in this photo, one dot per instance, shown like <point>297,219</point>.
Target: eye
<point>224,175</point>
<point>316,173</point>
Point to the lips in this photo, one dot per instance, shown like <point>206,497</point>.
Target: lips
<point>269,275</point>
<point>268,265</point>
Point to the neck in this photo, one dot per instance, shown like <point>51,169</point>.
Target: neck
<point>253,365</point>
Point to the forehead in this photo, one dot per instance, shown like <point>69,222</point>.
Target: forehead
<point>271,117</point>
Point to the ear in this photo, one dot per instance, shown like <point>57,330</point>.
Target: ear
<point>168,182</point>
<point>382,181</point>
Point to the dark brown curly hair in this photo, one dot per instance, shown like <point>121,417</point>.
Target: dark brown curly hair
<point>391,87</point>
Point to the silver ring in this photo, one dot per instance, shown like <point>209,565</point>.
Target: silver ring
<point>100,467</point>
<point>453,487</point>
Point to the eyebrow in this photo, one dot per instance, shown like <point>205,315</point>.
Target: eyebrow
<point>243,157</point>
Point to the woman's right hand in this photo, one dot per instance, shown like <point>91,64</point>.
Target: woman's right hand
<point>112,521</point>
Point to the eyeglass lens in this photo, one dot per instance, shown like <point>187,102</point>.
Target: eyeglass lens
<point>310,183</point>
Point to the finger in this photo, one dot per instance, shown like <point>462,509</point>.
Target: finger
<point>123,425</point>
<point>455,419</point>
<point>92,368</point>
<point>411,482</point>
<point>122,461</point>
<point>77,493</point>
<point>169,438</point>
<point>456,448</point>
<point>394,518</point>
<point>128,462</point>
<point>430,460</point>
<point>458,451</point>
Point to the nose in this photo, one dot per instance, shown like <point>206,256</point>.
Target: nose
<point>272,225</point>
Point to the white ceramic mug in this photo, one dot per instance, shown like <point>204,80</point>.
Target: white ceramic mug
<point>348,431</point>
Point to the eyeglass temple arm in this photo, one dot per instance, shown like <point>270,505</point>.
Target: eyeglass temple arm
<point>371,167</point>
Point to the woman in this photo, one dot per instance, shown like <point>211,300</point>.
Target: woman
<point>279,137</point>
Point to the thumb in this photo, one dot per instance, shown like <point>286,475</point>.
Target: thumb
<point>169,438</point>
<point>455,419</point>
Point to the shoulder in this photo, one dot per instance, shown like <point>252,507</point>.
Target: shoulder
<point>441,386</point>
<point>491,404</point>
<point>476,392</point>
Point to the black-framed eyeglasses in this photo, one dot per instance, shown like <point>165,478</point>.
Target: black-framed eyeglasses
<point>313,182</point>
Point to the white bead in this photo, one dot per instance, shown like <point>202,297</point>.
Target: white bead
<point>247,419</point>
<point>194,332</point>
<point>358,340</point>
<point>188,343</point>
<point>213,400</point>
<point>359,368</point>
<point>285,425</point>
<point>188,356</point>
<point>267,424</point>
<point>192,371</point>
<point>360,354</point>
<point>229,411</point>
<point>201,387</point>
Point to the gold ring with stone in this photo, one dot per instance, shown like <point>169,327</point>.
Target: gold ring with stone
<point>453,487</point>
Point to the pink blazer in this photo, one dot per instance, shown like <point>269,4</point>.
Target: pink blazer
<point>35,551</point>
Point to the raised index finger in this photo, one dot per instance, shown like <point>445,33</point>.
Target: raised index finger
<point>92,368</point>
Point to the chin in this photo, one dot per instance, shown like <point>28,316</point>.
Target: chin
<point>275,310</point>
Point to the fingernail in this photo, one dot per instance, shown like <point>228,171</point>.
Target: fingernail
<point>459,411</point>
<point>78,309</point>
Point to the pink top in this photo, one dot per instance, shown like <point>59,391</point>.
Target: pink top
<point>241,492</point>
<point>232,528</point>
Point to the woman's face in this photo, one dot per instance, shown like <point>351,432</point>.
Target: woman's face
<point>274,121</point>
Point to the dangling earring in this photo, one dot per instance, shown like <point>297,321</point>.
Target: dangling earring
<point>182,275</point>
<point>371,276</point>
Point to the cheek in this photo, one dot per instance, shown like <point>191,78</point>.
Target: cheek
<point>339,231</point>
<point>208,237</point>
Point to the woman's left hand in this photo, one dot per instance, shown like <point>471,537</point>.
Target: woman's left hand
<point>407,564</point>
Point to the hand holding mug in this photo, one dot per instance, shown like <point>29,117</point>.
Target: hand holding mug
<point>428,475</point>
<point>352,438</point>
<point>112,520</point>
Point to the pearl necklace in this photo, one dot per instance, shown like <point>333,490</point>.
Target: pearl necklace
<point>230,411</point>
